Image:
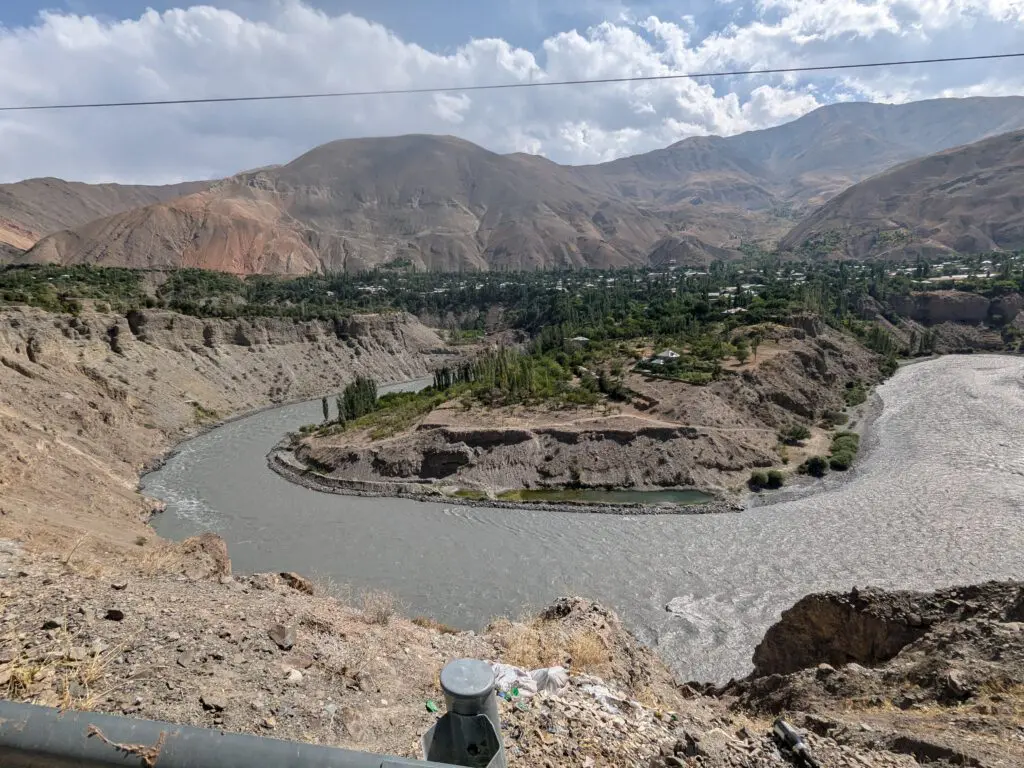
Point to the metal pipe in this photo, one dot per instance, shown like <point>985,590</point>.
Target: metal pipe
<point>42,737</point>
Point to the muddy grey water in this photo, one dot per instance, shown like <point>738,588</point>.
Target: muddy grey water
<point>936,499</point>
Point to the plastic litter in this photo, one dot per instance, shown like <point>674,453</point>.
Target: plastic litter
<point>610,702</point>
<point>431,706</point>
<point>551,679</point>
<point>518,683</point>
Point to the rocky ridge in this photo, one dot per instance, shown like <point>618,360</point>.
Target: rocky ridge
<point>438,202</point>
<point>937,675</point>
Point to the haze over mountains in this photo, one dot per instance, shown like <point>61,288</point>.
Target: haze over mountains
<point>968,199</point>
<point>443,203</point>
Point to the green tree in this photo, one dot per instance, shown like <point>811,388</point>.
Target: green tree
<point>742,351</point>
<point>755,342</point>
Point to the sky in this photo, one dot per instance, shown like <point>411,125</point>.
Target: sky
<point>59,51</point>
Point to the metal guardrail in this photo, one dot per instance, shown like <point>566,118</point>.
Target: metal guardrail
<point>43,737</point>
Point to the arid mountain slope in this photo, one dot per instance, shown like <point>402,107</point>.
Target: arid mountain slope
<point>967,199</point>
<point>809,159</point>
<point>437,201</point>
<point>443,203</point>
<point>36,207</point>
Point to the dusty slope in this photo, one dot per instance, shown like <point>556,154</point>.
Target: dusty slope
<point>86,402</point>
<point>967,200</point>
<point>196,649</point>
<point>444,203</point>
<point>673,435</point>
<point>36,207</point>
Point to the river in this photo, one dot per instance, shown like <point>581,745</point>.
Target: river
<point>936,498</point>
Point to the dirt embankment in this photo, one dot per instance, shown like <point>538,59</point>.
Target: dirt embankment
<point>938,675</point>
<point>86,402</point>
<point>671,435</point>
<point>177,637</point>
<point>960,322</point>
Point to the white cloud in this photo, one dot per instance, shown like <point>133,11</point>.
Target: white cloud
<point>288,47</point>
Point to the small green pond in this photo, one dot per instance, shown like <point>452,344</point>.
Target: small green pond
<point>600,496</point>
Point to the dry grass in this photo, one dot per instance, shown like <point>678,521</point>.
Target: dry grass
<point>535,644</point>
<point>588,652</point>
<point>63,677</point>
<point>428,623</point>
<point>164,557</point>
<point>377,606</point>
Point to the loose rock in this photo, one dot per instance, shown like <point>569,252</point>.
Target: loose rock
<point>283,636</point>
<point>295,581</point>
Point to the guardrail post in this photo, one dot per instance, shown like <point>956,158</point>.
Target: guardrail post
<point>469,734</point>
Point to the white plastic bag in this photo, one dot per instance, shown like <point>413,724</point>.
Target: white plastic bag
<point>551,679</point>
<point>610,702</point>
<point>507,678</point>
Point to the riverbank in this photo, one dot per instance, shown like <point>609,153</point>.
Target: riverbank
<point>282,461</point>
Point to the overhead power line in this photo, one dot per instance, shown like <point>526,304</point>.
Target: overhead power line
<point>505,86</point>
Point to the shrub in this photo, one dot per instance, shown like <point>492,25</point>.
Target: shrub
<point>834,418</point>
<point>378,607</point>
<point>848,442</point>
<point>775,479</point>
<point>840,461</point>
<point>844,448</point>
<point>758,480</point>
<point>855,395</point>
<point>815,466</point>
<point>888,367</point>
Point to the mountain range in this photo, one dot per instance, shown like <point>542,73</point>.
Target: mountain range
<point>969,199</point>
<point>439,202</point>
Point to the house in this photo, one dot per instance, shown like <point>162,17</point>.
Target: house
<point>668,354</point>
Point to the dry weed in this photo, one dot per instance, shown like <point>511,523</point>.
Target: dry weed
<point>537,643</point>
<point>588,652</point>
<point>428,623</point>
<point>326,586</point>
<point>75,680</point>
<point>377,606</point>
<point>67,559</point>
<point>162,558</point>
